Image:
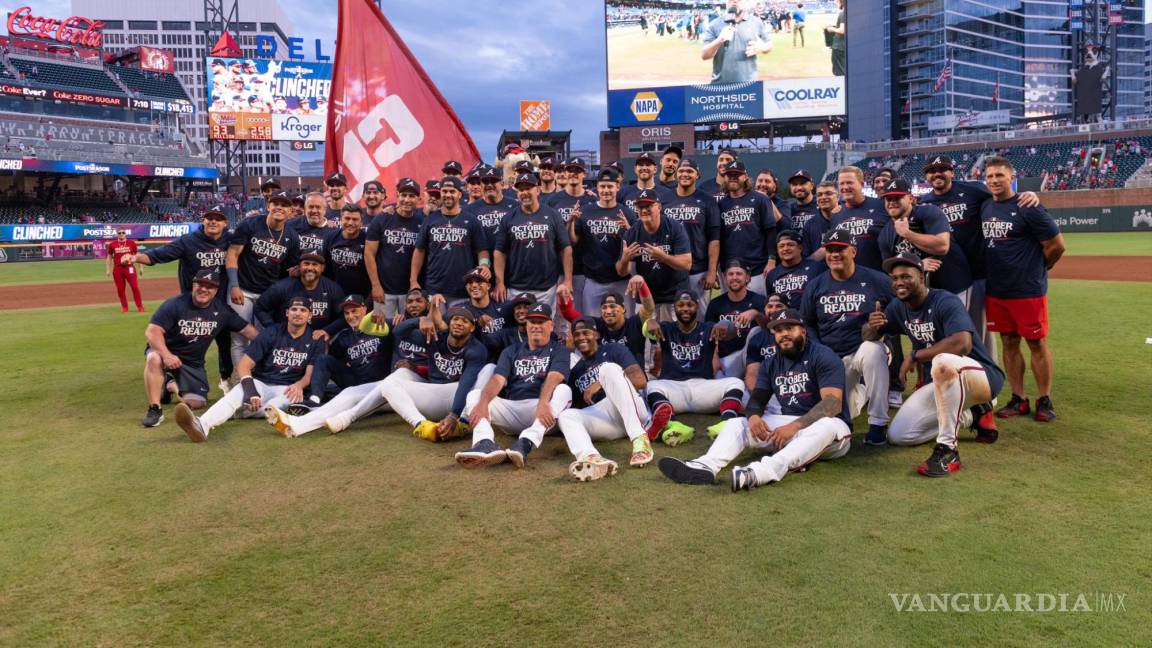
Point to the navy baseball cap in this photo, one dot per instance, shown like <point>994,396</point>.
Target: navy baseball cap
<point>374,184</point>
<point>788,235</point>
<point>690,163</point>
<point>214,214</point>
<point>647,197</point>
<point>408,185</point>
<point>460,311</point>
<point>300,301</point>
<point>280,198</point>
<point>839,237</point>
<point>208,277</point>
<point>452,181</point>
<point>489,172</point>
<point>540,311</point>
<point>526,179</point>
<point>474,275</point>
<point>897,187</point>
<point>473,176</point>
<point>336,180</point>
<point>452,167</point>
<point>547,163</point>
<point>801,175</point>
<point>684,295</point>
<point>575,163</point>
<point>432,186</point>
<point>270,183</point>
<point>524,298</point>
<point>612,298</point>
<point>938,162</point>
<point>315,257</point>
<point>786,317</point>
<point>903,259</point>
<point>583,323</point>
<point>608,174</point>
<point>735,167</point>
<point>352,300</point>
<point>524,166</point>
<point>299,199</point>
<point>645,158</point>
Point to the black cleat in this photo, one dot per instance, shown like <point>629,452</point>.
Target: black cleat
<point>154,417</point>
<point>686,472</point>
<point>518,451</point>
<point>943,462</point>
<point>1044,413</point>
<point>1016,407</point>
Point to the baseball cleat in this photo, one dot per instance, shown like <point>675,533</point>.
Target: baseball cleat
<point>484,453</point>
<point>518,451</point>
<point>279,420</point>
<point>224,385</point>
<point>1044,413</point>
<point>641,452</point>
<point>591,468</point>
<point>743,479</point>
<point>338,423</point>
<point>877,435</point>
<point>686,472</point>
<point>462,430</point>
<point>154,417</point>
<point>303,407</point>
<point>190,424</point>
<point>676,433</point>
<point>714,430</point>
<point>985,428</point>
<point>660,417</point>
<point>943,462</point>
<point>1016,407</point>
<point>895,399</point>
<point>426,430</point>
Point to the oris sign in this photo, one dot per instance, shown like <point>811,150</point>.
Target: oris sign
<point>76,31</point>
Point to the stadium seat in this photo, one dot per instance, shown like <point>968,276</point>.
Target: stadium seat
<point>42,73</point>
<point>150,84</point>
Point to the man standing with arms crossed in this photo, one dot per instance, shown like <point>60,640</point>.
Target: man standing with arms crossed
<point>1021,244</point>
<point>749,220</point>
<point>388,249</point>
<point>493,205</point>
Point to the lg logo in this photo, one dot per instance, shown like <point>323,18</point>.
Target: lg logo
<point>364,155</point>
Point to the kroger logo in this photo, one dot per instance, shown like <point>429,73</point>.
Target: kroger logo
<point>301,129</point>
<point>646,106</point>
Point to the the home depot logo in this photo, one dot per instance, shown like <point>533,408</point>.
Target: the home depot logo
<point>646,106</point>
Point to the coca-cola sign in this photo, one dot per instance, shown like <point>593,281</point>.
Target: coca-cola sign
<point>77,31</point>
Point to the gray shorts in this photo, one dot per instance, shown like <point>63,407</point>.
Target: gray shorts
<point>189,379</point>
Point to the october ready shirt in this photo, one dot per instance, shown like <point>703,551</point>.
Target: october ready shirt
<point>396,236</point>
<point>749,230</point>
<point>190,329</point>
<point>700,216</point>
<point>280,358</point>
<point>1013,253</point>
<point>663,280</point>
<point>835,311</point>
<point>525,368</point>
<point>266,255</point>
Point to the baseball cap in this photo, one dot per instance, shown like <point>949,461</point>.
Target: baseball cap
<point>674,149</point>
<point>615,164</point>
<point>735,167</point>
<point>214,214</point>
<point>270,183</point>
<point>608,175</point>
<point>474,275</point>
<point>903,259</point>
<point>524,166</point>
<point>582,323</point>
<point>645,158</point>
<point>612,298</point>
<point>684,295</point>
<point>452,181</point>
<point>374,184</point>
<point>526,179</point>
<point>524,298</point>
<point>690,163</point>
<point>299,301</point>
<point>735,263</point>
<point>540,310</point>
<point>452,166</point>
<point>788,316</point>
<point>489,172</point>
<point>280,198</point>
<point>839,237</point>
<point>788,235</point>
<point>575,163</point>
<point>897,187</point>
<point>473,176</point>
<point>408,185</point>
<point>942,162</point>
<point>299,199</point>
<point>801,175</point>
<point>547,163</point>
<point>312,256</point>
<point>647,196</point>
<point>336,180</point>
<point>352,300</point>
<point>460,311</point>
<point>432,186</point>
<point>208,277</point>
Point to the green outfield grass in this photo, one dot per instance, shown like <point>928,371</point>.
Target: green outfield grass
<point>48,272</point>
<point>112,535</point>
<point>1109,243</point>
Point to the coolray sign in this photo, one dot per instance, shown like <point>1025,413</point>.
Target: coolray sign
<point>732,102</point>
<point>77,31</point>
<point>304,128</point>
<point>52,233</point>
<point>818,97</point>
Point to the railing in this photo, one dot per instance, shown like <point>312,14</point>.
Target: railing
<point>1007,137</point>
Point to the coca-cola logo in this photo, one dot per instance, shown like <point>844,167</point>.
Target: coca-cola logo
<point>76,30</point>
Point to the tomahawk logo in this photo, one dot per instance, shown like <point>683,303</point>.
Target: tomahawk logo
<point>402,134</point>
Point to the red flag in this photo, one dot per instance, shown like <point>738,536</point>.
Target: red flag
<point>386,119</point>
<point>944,75</point>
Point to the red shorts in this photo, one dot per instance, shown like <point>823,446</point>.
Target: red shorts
<point>1026,317</point>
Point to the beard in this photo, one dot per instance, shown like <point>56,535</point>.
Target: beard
<point>797,349</point>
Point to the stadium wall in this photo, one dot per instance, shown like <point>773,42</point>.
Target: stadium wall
<point>1115,210</point>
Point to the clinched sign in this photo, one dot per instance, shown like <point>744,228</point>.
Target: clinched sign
<point>387,120</point>
<point>535,115</point>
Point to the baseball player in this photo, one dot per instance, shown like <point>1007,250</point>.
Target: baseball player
<point>740,306</point>
<point>532,252</point>
<point>314,227</point>
<point>433,403</point>
<point>490,316</point>
<point>657,250</point>
<point>337,186</point>
<point>178,337</point>
<point>1021,244</point>
<point>861,216</point>
<point>357,358</point>
<point>961,374</point>
<point>803,206</point>
<point>669,166</point>
<point>123,268</point>
<point>645,168</point>
<point>550,178</point>
<point>835,305</point>
<point>568,203</point>
<point>324,294</point>
<point>450,244</point>
<point>606,381</point>
<point>814,231</point>
<point>807,379</point>
<point>431,196</point>
<point>523,397</point>
<point>388,249</point>
<point>717,187</point>
<point>767,184</point>
<point>793,272</point>
<point>923,230</point>
<point>597,231</point>
<point>275,370</point>
<point>749,219</point>
<point>762,347</point>
<point>260,252</point>
<point>687,382</point>
<point>492,206</point>
<point>698,213</point>
<point>374,196</point>
<point>344,253</point>
<point>615,326</point>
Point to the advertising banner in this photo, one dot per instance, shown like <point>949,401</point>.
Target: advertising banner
<point>535,115</point>
<point>93,232</point>
<point>646,106</point>
<point>267,100</point>
<point>820,97</point>
<point>145,170</point>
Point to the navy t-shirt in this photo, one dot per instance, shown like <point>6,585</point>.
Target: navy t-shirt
<point>410,347</point>
<point>525,369</point>
<point>600,233</point>
<point>761,347</point>
<point>954,274</point>
<point>835,311</point>
<point>447,364</point>
<point>961,206</point>
<point>630,336</point>
<point>396,236</point>
<point>311,238</point>
<point>587,370</point>
<point>1013,254</point>
<point>687,355</point>
<point>453,245</point>
<point>663,281</point>
<point>942,314</point>
<point>280,358</point>
<point>864,223</point>
<point>325,298</point>
<point>266,256</point>
<point>700,216</point>
<point>789,282</point>
<point>189,329</point>
<point>345,263</point>
<point>532,245</point>
<point>489,216</point>
<point>797,383</point>
<point>497,312</point>
<point>628,193</point>
<point>812,236</point>
<point>723,309</point>
<point>749,232</point>
<point>564,203</point>
<point>712,188</point>
<point>361,358</point>
<point>799,215</point>
<point>195,251</point>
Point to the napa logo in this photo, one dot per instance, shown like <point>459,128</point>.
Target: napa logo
<point>646,106</point>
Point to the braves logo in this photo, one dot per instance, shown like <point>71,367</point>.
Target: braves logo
<point>363,155</point>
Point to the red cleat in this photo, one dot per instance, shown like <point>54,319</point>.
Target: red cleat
<point>660,417</point>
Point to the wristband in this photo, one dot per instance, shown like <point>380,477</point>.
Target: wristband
<point>249,387</point>
<point>233,277</point>
<point>485,262</point>
<point>644,291</point>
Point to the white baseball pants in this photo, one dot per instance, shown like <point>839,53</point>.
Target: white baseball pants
<point>415,399</point>
<point>827,438</point>
<point>516,417</point>
<point>346,400</point>
<point>233,402</point>
<point>245,311</point>
<point>696,395</point>
<point>934,410</point>
<point>870,362</point>
<point>621,413</point>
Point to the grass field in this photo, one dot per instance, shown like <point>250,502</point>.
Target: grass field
<point>112,535</point>
<point>637,61</point>
<point>1109,243</point>
<point>50,272</point>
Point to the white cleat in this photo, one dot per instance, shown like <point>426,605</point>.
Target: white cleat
<point>338,423</point>
<point>279,420</point>
<point>591,468</point>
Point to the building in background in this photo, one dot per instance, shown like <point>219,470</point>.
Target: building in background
<point>1012,55</point>
<point>180,27</point>
<point>1148,68</point>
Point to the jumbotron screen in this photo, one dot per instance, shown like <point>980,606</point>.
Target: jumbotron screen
<point>256,99</point>
<point>693,61</point>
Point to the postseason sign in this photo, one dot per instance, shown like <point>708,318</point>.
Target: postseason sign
<point>267,100</point>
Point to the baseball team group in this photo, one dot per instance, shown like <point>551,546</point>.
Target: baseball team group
<point>544,302</point>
